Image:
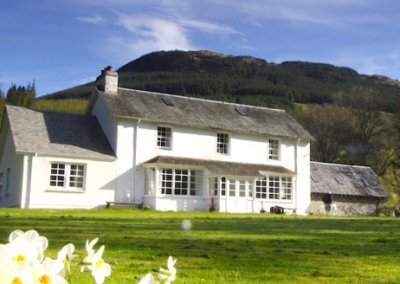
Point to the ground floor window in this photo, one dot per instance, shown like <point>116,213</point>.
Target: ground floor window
<point>223,186</point>
<point>180,182</point>
<point>275,188</point>
<point>67,176</point>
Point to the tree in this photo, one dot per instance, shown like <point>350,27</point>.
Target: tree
<point>333,128</point>
<point>21,96</point>
<point>364,104</point>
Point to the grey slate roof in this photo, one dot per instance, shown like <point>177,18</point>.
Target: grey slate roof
<point>220,167</point>
<point>345,180</point>
<point>46,132</point>
<point>202,113</point>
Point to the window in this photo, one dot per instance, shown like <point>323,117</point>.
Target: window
<point>164,137</point>
<point>149,187</point>
<point>250,190</point>
<point>67,176</point>
<point>286,189</point>
<point>168,101</point>
<point>273,149</point>
<point>242,188</point>
<point>180,182</point>
<point>261,188</point>
<point>241,110</point>
<point>274,188</point>
<point>222,143</point>
<point>223,186</point>
<point>232,187</point>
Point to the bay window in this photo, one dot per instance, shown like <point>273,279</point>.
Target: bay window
<point>274,188</point>
<point>180,182</point>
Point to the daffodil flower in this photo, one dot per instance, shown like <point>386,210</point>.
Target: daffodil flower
<point>28,246</point>
<point>18,274</point>
<point>168,274</point>
<point>49,272</point>
<point>89,249</point>
<point>100,269</point>
<point>65,255</point>
<point>31,238</point>
<point>148,279</point>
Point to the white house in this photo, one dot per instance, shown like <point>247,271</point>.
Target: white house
<point>164,151</point>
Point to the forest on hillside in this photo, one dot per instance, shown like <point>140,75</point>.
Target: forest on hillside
<point>355,119</point>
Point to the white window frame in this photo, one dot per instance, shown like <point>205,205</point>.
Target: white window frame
<point>274,149</point>
<point>274,187</point>
<point>180,182</point>
<point>66,176</point>
<point>164,137</point>
<point>223,141</point>
<point>229,187</point>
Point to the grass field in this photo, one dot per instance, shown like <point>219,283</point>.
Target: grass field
<point>223,248</point>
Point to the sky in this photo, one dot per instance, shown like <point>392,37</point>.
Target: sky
<point>59,44</point>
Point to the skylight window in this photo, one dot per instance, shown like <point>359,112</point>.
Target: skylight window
<point>339,180</point>
<point>241,110</point>
<point>168,101</point>
<point>315,179</point>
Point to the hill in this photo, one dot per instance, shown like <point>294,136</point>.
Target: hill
<point>245,79</point>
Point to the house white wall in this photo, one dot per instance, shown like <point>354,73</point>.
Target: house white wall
<point>137,143</point>
<point>303,190</point>
<point>202,144</point>
<point>13,164</point>
<point>107,122</point>
<point>99,184</point>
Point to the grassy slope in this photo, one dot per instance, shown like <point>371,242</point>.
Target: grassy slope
<point>224,248</point>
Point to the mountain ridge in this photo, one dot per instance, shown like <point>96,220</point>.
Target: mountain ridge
<point>245,79</point>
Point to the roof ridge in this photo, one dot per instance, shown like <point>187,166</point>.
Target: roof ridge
<point>48,111</point>
<point>342,165</point>
<point>204,100</point>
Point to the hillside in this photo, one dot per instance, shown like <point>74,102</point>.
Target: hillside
<point>245,79</point>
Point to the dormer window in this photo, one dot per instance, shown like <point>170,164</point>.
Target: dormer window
<point>164,137</point>
<point>273,149</point>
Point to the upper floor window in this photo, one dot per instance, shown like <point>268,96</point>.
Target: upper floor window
<point>164,137</point>
<point>273,149</point>
<point>67,176</point>
<point>222,143</point>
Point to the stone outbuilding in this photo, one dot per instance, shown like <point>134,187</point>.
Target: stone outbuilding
<point>354,190</point>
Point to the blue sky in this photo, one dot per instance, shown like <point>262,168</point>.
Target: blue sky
<point>63,43</point>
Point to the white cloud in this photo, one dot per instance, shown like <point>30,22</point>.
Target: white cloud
<point>140,34</point>
<point>92,19</point>
<point>154,33</point>
<point>334,14</point>
<point>208,27</point>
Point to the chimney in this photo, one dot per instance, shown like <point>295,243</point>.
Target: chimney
<point>107,81</point>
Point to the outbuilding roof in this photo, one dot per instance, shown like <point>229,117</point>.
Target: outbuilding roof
<point>345,180</point>
<point>201,113</point>
<point>221,167</point>
<point>57,133</point>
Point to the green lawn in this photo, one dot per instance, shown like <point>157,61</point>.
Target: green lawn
<point>223,248</point>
